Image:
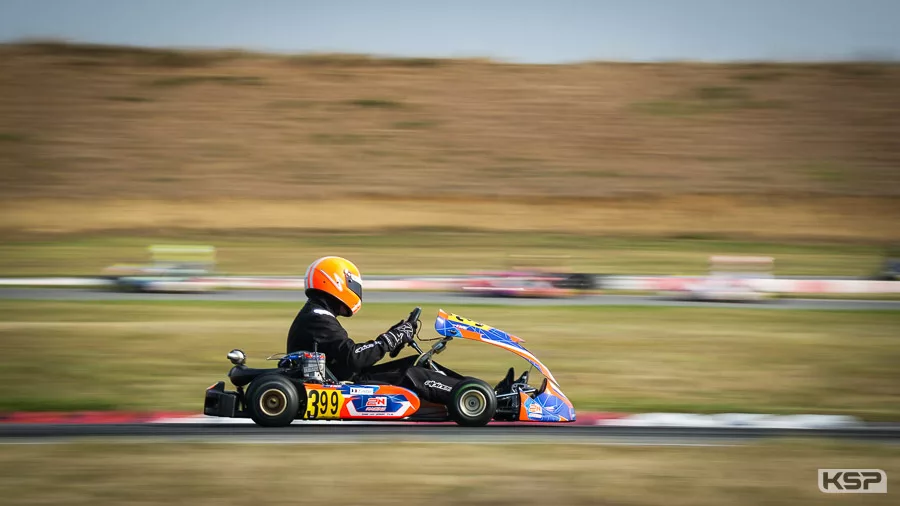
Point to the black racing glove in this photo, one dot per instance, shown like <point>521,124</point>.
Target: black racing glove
<point>395,338</point>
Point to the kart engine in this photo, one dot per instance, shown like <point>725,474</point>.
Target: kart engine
<point>311,363</point>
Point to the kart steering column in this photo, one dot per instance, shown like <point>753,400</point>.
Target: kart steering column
<point>414,319</point>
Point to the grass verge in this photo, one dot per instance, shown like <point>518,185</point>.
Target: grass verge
<point>94,473</point>
<point>772,218</point>
<point>428,251</point>
<point>162,355</point>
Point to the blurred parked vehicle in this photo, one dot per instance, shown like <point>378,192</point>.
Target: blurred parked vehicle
<point>171,269</point>
<point>890,267</point>
<point>891,270</point>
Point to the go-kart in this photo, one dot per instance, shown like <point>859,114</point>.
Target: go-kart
<point>302,388</point>
<point>530,276</point>
<point>173,269</point>
<point>520,284</point>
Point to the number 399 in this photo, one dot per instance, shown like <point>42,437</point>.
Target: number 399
<point>323,404</point>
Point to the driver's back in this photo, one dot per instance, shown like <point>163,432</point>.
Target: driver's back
<point>316,328</point>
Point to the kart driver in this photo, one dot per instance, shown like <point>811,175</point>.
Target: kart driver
<point>334,288</point>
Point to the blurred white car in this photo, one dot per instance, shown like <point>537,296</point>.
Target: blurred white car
<point>171,269</point>
<point>730,279</point>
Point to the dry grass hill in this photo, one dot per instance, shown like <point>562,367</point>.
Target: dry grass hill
<point>95,137</point>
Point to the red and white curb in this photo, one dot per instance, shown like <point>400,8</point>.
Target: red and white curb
<point>683,420</point>
<point>120,417</point>
<point>90,417</point>
<point>734,420</point>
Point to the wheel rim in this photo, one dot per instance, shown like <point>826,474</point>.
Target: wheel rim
<point>273,402</point>
<point>472,403</point>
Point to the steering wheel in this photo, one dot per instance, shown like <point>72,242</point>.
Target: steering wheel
<point>414,320</point>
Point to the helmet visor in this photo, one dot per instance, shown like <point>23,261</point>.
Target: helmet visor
<point>354,284</point>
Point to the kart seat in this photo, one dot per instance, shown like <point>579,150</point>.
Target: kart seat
<point>241,375</point>
<point>358,381</point>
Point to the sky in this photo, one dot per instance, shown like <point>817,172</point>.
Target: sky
<point>530,31</point>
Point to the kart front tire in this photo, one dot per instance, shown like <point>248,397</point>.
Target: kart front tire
<point>273,401</point>
<point>473,403</point>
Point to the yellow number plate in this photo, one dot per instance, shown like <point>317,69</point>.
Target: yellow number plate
<point>323,403</point>
<point>473,323</point>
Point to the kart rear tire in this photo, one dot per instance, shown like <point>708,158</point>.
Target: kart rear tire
<point>273,401</point>
<point>472,403</point>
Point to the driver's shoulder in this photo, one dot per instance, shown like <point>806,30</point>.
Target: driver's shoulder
<point>324,312</point>
<point>322,322</point>
<point>312,310</point>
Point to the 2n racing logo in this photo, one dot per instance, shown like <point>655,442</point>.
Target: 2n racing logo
<point>438,385</point>
<point>374,404</point>
<point>377,401</point>
<point>853,481</point>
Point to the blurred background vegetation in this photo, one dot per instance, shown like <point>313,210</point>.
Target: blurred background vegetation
<point>103,149</point>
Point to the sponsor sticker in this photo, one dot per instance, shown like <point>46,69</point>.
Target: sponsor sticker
<point>376,401</point>
<point>361,391</point>
<point>438,385</point>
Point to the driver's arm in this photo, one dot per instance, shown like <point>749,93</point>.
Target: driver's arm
<point>334,342</point>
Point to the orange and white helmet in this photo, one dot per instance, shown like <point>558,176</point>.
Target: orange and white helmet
<point>337,277</point>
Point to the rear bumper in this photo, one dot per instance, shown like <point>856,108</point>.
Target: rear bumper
<point>220,402</point>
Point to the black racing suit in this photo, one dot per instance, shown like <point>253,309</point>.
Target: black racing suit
<point>317,325</point>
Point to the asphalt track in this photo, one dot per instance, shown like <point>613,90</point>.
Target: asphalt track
<point>450,299</point>
<point>505,434</point>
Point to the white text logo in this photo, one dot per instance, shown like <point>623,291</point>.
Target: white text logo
<point>439,386</point>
